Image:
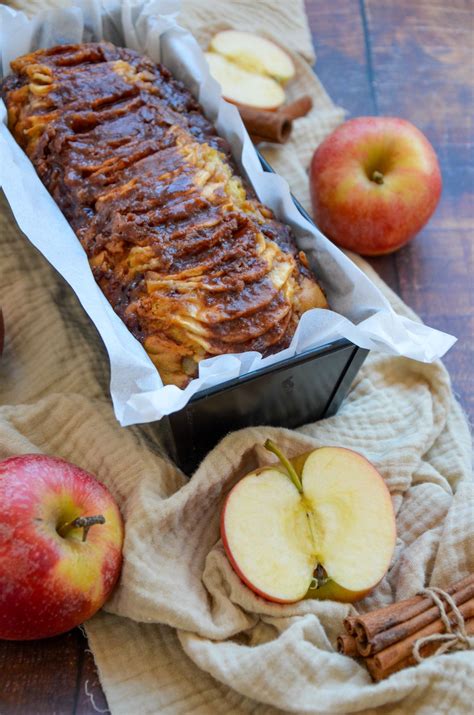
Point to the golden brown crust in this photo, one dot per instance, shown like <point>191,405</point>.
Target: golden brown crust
<point>187,256</point>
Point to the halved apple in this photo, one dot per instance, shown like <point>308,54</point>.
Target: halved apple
<point>243,87</point>
<point>328,524</point>
<point>254,53</point>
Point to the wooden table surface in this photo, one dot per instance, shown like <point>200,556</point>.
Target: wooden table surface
<point>389,57</point>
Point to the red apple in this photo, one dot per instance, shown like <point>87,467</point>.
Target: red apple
<point>61,537</point>
<point>322,526</point>
<point>375,182</point>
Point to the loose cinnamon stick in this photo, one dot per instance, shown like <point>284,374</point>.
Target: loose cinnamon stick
<point>378,673</point>
<point>268,126</point>
<point>397,652</point>
<point>256,139</point>
<point>299,108</point>
<point>370,624</point>
<point>264,125</point>
<point>346,645</point>
<point>385,638</point>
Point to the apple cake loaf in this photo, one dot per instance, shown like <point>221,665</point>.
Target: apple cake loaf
<point>187,256</point>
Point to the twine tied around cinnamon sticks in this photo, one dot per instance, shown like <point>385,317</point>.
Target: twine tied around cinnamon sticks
<point>402,634</point>
<point>455,638</point>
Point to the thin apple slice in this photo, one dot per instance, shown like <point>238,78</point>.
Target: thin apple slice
<point>353,519</point>
<point>267,538</point>
<point>254,53</point>
<point>243,87</point>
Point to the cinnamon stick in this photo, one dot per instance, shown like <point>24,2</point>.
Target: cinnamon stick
<point>267,125</point>
<point>379,673</point>
<point>385,638</point>
<point>349,624</point>
<point>299,108</point>
<point>397,652</point>
<point>368,625</point>
<point>346,645</point>
<point>258,140</point>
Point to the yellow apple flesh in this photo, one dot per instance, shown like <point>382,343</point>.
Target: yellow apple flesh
<point>254,54</point>
<point>353,519</point>
<point>276,531</point>
<point>240,86</point>
<point>266,536</point>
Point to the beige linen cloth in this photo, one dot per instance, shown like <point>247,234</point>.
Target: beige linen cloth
<point>181,633</point>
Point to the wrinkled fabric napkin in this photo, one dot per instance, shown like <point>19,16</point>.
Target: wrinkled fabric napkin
<point>181,633</point>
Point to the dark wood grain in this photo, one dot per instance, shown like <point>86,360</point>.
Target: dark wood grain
<point>40,676</point>
<point>396,57</point>
<point>415,60</point>
<point>89,695</point>
<point>51,676</point>
<point>344,67</point>
<point>422,60</point>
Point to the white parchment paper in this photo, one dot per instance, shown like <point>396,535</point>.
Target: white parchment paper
<point>359,311</point>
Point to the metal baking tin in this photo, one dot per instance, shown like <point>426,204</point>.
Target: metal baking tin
<point>290,393</point>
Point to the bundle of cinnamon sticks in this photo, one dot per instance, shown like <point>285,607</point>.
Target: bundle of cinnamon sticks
<point>385,638</point>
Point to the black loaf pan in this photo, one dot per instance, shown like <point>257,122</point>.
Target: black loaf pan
<point>293,392</point>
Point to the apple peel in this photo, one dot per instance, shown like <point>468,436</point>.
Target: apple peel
<point>61,536</point>
<point>374,183</point>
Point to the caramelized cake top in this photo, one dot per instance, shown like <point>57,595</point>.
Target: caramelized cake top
<point>183,250</point>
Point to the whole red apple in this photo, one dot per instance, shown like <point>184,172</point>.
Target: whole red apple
<point>375,181</point>
<point>61,537</point>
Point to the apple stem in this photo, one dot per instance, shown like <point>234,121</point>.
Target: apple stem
<point>81,522</point>
<point>272,447</point>
<point>377,176</point>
